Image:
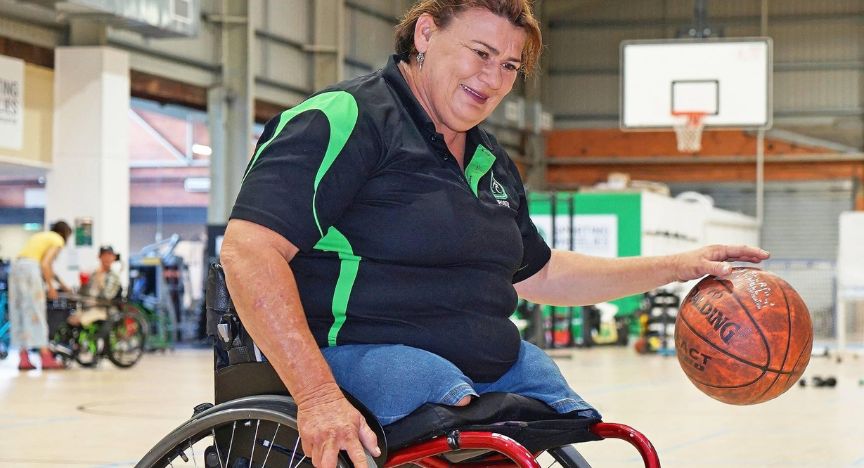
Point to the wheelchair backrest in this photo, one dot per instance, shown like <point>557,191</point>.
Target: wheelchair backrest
<point>240,368</point>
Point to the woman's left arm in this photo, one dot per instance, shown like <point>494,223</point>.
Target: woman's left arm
<point>570,278</point>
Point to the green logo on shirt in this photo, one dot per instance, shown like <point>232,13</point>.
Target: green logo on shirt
<point>497,189</point>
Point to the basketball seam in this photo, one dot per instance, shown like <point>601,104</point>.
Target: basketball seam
<point>800,355</point>
<point>727,353</point>
<point>755,324</point>
<point>788,345</point>
<point>696,332</point>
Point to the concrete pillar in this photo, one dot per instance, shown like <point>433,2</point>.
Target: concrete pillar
<point>230,110</point>
<point>328,54</point>
<point>90,170</point>
<point>535,142</point>
<point>83,31</point>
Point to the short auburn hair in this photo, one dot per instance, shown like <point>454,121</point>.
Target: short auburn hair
<point>442,11</point>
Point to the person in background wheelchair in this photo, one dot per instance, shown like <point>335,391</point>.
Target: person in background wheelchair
<point>381,237</point>
<point>101,289</point>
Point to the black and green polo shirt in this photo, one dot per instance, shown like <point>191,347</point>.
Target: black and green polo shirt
<point>397,243</point>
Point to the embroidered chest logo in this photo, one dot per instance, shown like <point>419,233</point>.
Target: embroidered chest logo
<point>498,190</point>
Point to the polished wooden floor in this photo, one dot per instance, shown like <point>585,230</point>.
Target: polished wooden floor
<point>109,417</point>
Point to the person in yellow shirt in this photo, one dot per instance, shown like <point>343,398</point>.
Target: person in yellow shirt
<point>30,274</point>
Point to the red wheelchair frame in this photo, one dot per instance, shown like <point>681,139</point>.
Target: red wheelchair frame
<point>424,453</point>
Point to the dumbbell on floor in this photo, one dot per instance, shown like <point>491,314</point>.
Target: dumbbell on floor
<point>820,382</point>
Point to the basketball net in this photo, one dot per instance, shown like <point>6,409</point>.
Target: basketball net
<point>688,130</point>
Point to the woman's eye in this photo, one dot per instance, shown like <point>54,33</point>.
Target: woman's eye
<point>510,67</point>
<point>482,54</point>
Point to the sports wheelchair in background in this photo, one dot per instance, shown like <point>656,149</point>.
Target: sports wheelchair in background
<point>121,336</point>
<point>254,420</point>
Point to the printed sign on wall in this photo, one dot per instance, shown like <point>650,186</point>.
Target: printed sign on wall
<point>11,102</point>
<point>592,234</point>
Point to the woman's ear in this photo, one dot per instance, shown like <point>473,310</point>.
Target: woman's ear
<point>423,30</point>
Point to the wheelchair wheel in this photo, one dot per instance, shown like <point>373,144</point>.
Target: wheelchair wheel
<point>568,457</point>
<point>234,434</point>
<point>87,347</point>
<point>70,343</point>
<point>127,336</point>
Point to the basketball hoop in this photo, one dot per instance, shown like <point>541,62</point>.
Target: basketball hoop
<point>688,130</point>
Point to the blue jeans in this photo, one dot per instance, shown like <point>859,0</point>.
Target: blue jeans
<point>394,380</point>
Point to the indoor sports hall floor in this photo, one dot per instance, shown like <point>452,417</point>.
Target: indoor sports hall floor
<point>109,417</point>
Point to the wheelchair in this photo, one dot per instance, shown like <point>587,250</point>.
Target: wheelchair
<point>121,337</point>
<point>253,422</point>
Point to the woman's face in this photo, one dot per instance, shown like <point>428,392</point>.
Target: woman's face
<point>469,67</point>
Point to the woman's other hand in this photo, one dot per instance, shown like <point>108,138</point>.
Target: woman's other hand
<point>328,423</point>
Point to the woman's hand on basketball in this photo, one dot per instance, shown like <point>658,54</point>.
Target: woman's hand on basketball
<point>713,260</point>
<point>328,424</point>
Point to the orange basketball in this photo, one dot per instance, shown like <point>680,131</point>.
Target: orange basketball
<point>743,338</point>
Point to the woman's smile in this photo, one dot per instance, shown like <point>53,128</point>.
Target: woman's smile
<point>475,95</point>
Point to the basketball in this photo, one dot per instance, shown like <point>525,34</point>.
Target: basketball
<point>744,338</point>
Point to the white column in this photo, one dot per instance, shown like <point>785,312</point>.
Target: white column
<point>230,108</point>
<point>90,169</point>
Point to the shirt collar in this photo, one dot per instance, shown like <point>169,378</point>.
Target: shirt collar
<point>398,83</point>
<point>406,96</point>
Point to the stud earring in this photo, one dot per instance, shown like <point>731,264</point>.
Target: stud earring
<point>421,56</point>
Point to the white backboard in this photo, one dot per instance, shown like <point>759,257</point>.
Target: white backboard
<point>728,79</point>
<point>850,251</point>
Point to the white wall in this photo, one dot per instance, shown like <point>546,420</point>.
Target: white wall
<point>12,240</point>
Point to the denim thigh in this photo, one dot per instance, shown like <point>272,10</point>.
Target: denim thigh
<point>394,380</point>
<point>535,375</point>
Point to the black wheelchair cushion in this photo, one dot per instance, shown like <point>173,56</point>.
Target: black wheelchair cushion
<point>533,424</point>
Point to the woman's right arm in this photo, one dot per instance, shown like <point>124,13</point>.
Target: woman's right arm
<point>48,271</point>
<point>264,292</point>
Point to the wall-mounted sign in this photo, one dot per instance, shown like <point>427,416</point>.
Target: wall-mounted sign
<point>11,102</point>
<point>592,234</point>
<point>84,232</point>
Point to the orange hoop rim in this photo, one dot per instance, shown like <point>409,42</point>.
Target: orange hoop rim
<point>693,117</point>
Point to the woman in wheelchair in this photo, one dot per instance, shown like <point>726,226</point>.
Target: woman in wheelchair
<point>381,237</point>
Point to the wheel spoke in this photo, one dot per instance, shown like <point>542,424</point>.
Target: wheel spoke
<point>192,449</point>
<point>299,461</point>
<point>254,442</point>
<point>272,442</point>
<point>231,443</point>
<point>216,445</point>
<point>296,443</point>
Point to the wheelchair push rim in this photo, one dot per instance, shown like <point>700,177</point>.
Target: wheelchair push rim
<point>222,439</point>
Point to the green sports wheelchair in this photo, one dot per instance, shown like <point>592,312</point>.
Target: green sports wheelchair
<point>253,422</point>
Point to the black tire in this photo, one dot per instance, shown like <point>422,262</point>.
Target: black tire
<point>223,436</point>
<point>127,338</point>
<point>568,457</point>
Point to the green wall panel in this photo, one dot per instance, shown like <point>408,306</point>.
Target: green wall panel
<point>626,207</point>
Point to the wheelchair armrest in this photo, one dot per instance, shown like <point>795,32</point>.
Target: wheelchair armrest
<point>232,344</point>
<point>217,299</point>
